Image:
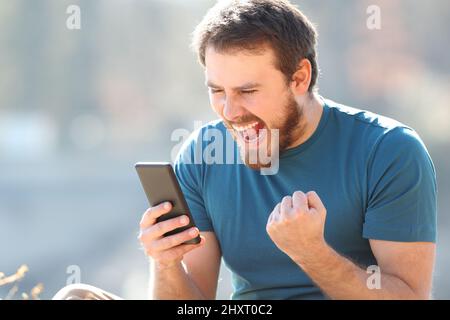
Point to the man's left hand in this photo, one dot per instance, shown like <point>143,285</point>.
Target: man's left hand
<point>296,225</point>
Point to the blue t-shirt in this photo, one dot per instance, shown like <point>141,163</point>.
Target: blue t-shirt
<point>373,174</point>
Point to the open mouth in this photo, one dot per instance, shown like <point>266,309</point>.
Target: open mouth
<point>251,133</point>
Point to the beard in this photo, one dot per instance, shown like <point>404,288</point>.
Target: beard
<point>279,135</point>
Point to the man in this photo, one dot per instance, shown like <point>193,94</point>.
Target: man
<point>354,192</point>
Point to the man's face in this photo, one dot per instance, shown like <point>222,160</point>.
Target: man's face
<point>252,98</point>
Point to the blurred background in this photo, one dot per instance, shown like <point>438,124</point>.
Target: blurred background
<point>79,107</point>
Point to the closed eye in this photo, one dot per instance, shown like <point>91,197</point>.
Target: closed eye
<point>215,90</point>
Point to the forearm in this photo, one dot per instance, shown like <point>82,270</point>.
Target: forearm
<point>172,283</point>
<point>340,278</point>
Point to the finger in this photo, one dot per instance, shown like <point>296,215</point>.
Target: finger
<point>274,214</point>
<point>286,205</point>
<point>176,239</point>
<point>159,229</point>
<point>300,201</point>
<point>149,217</point>
<point>181,250</point>
<point>315,202</point>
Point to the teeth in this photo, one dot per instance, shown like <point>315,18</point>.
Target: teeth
<point>242,128</point>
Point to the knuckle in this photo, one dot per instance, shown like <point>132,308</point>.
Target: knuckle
<point>283,221</point>
<point>151,210</point>
<point>298,194</point>
<point>296,213</point>
<point>143,219</point>
<point>274,225</point>
<point>159,227</point>
<point>182,236</point>
<point>169,225</point>
<point>143,237</point>
<point>147,214</point>
<point>286,203</point>
<point>169,242</point>
<point>158,209</point>
<point>289,217</point>
<point>163,227</point>
<point>296,216</point>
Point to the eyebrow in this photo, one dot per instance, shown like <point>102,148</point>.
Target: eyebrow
<point>248,85</point>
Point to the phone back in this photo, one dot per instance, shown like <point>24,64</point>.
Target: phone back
<point>160,185</point>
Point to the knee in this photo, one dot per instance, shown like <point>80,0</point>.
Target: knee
<point>76,291</point>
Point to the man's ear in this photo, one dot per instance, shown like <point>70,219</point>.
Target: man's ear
<point>301,79</point>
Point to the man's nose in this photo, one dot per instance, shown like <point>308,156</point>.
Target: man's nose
<point>232,110</point>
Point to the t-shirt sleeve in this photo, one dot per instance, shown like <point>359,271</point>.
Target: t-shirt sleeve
<point>402,190</point>
<point>189,175</point>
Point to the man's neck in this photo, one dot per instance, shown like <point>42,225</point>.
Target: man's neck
<point>312,113</point>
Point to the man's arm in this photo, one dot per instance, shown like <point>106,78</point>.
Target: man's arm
<point>406,271</point>
<point>296,226</point>
<point>195,278</point>
<point>178,270</point>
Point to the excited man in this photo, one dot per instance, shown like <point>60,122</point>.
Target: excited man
<point>354,191</point>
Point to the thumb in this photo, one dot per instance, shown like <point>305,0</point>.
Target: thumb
<point>314,201</point>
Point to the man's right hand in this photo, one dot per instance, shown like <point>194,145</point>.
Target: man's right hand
<point>166,251</point>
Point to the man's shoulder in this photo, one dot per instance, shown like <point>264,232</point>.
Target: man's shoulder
<point>367,119</point>
<point>373,131</point>
<point>369,127</point>
<point>382,137</point>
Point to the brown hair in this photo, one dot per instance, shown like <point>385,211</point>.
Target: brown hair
<point>250,24</point>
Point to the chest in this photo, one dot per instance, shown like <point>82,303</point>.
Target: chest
<point>240,202</point>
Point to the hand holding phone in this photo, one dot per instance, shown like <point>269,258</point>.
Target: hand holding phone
<point>164,229</point>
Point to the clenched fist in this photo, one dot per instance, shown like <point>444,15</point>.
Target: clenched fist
<point>296,225</point>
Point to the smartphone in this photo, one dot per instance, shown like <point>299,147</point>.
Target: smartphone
<point>160,185</point>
